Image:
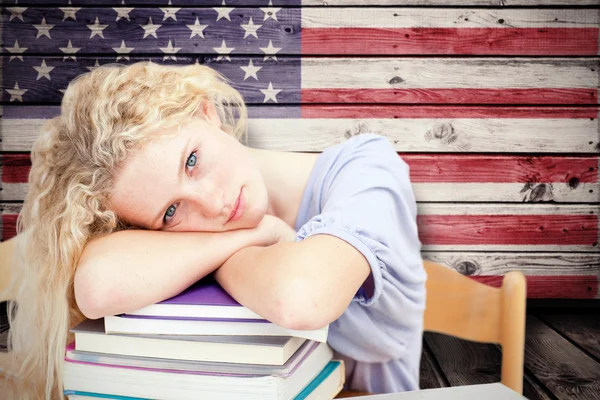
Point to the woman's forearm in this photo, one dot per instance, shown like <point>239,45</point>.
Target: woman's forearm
<point>298,285</point>
<point>127,270</point>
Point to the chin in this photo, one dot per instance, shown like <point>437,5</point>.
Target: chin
<point>252,218</point>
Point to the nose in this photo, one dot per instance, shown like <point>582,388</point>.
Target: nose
<point>206,199</point>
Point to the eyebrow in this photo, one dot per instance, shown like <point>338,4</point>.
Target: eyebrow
<point>161,213</point>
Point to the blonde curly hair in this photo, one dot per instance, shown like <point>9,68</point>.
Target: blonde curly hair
<point>105,115</point>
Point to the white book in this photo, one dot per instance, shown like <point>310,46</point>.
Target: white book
<point>156,384</point>
<point>324,386</point>
<point>140,325</point>
<point>90,337</point>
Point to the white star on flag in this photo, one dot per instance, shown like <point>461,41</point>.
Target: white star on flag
<point>270,51</point>
<point>223,12</point>
<point>270,12</point>
<point>95,66</point>
<point>97,29</point>
<point>250,29</point>
<point>223,50</point>
<point>16,50</point>
<point>170,50</point>
<point>170,13</point>
<point>43,29</point>
<point>69,12</point>
<point>69,50</point>
<point>197,29</point>
<point>150,29</point>
<point>270,93</point>
<point>16,93</point>
<point>16,12</point>
<point>43,71</point>
<point>251,70</point>
<point>123,12</point>
<point>123,50</point>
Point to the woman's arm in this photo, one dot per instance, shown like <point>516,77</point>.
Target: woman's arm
<point>297,285</point>
<point>127,270</point>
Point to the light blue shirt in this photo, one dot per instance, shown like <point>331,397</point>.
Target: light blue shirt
<point>360,192</point>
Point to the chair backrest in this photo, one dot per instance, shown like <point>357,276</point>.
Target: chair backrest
<point>462,307</point>
<point>7,254</point>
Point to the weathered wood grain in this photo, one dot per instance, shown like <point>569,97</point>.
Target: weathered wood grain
<point>535,81</point>
<point>532,390</point>
<point>552,275</point>
<point>448,73</point>
<point>376,31</point>
<point>288,3</point>
<point>490,263</point>
<point>496,3</point>
<point>430,376</point>
<point>463,362</point>
<point>450,80</point>
<point>441,178</point>
<point>409,128</point>
<point>492,227</point>
<point>555,287</point>
<point>367,17</point>
<point>563,368</point>
<point>582,329</point>
<point>470,363</point>
<point>549,275</point>
<point>508,227</point>
<point>284,31</point>
<point>327,31</point>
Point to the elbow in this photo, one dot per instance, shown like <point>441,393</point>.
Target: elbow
<point>91,294</point>
<point>85,297</point>
<point>298,307</point>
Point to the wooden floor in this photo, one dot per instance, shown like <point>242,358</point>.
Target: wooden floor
<point>562,357</point>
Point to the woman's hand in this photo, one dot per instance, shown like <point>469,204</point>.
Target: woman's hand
<point>274,230</point>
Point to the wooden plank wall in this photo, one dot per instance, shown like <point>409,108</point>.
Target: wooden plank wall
<point>493,104</point>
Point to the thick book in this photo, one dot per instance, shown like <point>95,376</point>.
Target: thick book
<point>326,385</point>
<point>143,383</point>
<point>183,366</point>
<point>204,299</point>
<point>90,337</point>
<point>149,325</point>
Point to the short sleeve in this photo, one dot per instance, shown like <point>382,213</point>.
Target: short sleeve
<point>368,201</point>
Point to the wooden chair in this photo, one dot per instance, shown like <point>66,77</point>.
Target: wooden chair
<point>462,307</point>
<point>7,253</point>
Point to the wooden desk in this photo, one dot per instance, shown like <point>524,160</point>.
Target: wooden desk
<point>491,391</point>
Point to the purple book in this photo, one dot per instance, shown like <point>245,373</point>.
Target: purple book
<point>205,300</point>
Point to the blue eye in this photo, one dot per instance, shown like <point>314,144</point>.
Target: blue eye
<point>191,161</point>
<point>170,212</point>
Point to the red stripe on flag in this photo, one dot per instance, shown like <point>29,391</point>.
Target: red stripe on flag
<point>445,96</point>
<point>437,168</point>
<point>524,230</point>
<point>552,286</point>
<point>9,226</point>
<point>386,111</point>
<point>15,168</point>
<point>472,41</point>
<point>501,169</point>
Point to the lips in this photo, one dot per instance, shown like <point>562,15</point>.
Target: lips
<point>236,207</point>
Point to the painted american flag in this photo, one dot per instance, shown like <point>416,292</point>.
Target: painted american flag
<point>258,46</point>
<point>167,35</point>
<point>490,107</point>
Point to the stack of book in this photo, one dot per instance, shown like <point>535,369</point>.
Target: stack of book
<point>198,344</point>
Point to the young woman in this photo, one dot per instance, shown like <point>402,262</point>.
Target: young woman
<point>141,187</point>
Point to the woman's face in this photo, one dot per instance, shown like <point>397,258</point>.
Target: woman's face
<point>194,180</point>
